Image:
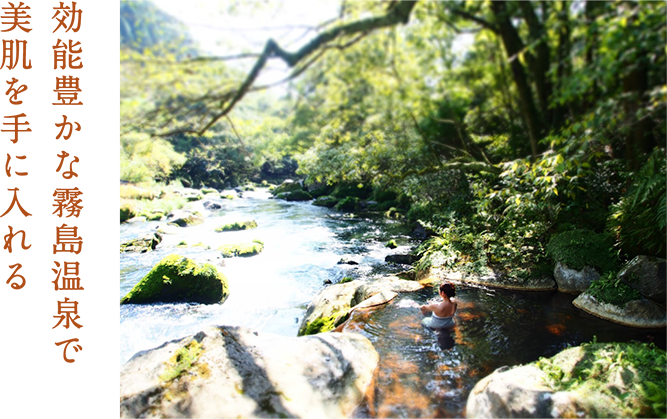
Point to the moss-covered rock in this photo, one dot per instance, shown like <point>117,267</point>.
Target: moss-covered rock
<point>392,244</point>
<point>287,186</point>
<point>592,380</point>
<point>294,196</point>
<point>207,191</point>
<point>127,211</point>
<point>142,244</point>
<point>325,201</point>
<point>185,218</point>
<point>237,226</point>
<point>242,249</point>
<point>176,278</point>
<point>347,204</point>
<point>193,198</point>
<point>153,216</point>
<point>228,195</point>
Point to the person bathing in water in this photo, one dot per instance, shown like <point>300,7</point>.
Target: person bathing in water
<point>442,316</point>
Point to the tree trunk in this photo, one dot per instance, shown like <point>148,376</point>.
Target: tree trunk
<point>513,46</point>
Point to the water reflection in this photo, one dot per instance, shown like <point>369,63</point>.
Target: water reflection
<point>426,373</point>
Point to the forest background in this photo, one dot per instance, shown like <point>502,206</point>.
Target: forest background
<point>548,129</point>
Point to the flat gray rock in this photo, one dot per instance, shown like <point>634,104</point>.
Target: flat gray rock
<point>637,313</point>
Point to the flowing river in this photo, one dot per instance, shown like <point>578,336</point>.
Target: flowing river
<point>421,374</point>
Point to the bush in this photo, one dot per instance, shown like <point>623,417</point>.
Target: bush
<point>581,247</point>
<point>638,220</point>
<point>609,289</point>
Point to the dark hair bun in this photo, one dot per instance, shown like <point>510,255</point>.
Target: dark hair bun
<point>448,288</point>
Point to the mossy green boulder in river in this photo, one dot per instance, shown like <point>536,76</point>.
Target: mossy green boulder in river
<point>177,278</point>
<point>592,380</point>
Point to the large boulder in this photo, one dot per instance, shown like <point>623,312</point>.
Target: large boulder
<point>142,244</point>
<point>636,313</point>
<point>294,196</point>
<point>176,278</point>
<point>574,281</point>
<point>325,201</point>
<point>185,218</point>
<point>287,186</point>
<point>647,275</point>
<point>334,304</point>
<point>592,380</point>
<point>234,372</point>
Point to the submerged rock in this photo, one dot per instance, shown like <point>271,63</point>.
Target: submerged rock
<point>635,313</point>
<point>584,381</point>
<point>646,274</point>
<point>176,278</point>
<point>574,281</point>
<point>234,372</point>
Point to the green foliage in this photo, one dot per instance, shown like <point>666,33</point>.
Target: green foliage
<point>241,249</point>
<point>177,278</point>
<point>237,225</point>
<point>144,158</point>
<point>630,376</point>
<point>579,248</point>
<point>638,220</point>
<point>609,289</point>
<point>346,279</point>
<point>347,204</point>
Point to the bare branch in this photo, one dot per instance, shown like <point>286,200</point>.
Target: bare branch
<point>400,13</point>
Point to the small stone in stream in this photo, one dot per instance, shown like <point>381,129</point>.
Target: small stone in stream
<point>346,261</point>
<point>209,205</point>
<point>327,282</point>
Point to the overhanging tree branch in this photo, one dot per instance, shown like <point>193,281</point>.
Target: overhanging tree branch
<point>398,14</point>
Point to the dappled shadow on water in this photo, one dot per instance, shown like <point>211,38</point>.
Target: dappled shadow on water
<point>427,374</point>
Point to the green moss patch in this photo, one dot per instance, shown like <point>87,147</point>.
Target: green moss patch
<point>609,289</point>
<point>392,244</point>
<point>127,211</point>
<point>182,361</point>
<point>237,226</point>
<point>207,191</point>
<point>323,324</point>
<point>612,379</point>
<point>176,278</point>
<point>579,248</point>
<point>242,249</point>
<point>228,196</point>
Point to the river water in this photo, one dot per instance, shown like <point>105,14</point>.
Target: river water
<point>421,373</point>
